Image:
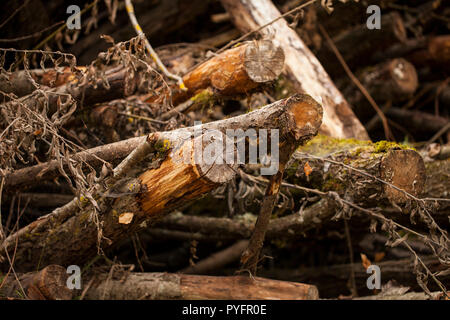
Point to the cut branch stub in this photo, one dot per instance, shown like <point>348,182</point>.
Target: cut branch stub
<point>404,169</point>
<point>236,71</point>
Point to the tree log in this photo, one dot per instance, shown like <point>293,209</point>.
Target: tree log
<point>358,44</point>
<point>358,167</point>
<point>236,71</point>
<point>46,284</point>
<point>192,287</point>
<point>422,122</point>
<point>332,280</point>
<point>155,192</point>
<point>121,83</point>
<point>395,80</point>
<point>302,67</point>
<point>20,84</point>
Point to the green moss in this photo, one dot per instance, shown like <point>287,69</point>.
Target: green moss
<point>204,97</point>
<point>322,145</point>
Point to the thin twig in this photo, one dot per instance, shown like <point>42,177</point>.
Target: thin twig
<point>355,80</point>
<point>153,54</point>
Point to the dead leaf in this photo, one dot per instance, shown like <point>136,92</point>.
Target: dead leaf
<point>365,261</point>
<point>307,169</point>
<point>126,217</point>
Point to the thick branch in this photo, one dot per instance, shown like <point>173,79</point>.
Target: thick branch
<point>188,287</point>
<point>302,67</point>
<point>153,192</point>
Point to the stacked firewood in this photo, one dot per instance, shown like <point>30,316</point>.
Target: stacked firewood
<point>99,149</point>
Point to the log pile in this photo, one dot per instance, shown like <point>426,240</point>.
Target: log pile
<point>292,133</point>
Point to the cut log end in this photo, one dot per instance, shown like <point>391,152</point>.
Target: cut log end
<point>307,114</point>
<point>51,282</point>
<point>404,76</point>
<point>263,61</point>
<point>405,169</point>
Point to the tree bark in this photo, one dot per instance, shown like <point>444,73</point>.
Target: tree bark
<point>132,202</point>
<point>189,287</point>
<point>357,168</point>
<point>46,284</point>
<point>236,71</point>
<point>358,44</point>
<point>302,67</point>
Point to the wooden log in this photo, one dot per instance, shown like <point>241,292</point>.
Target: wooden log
<point>34,175</point>
<point>302,69</point>
<point>357,169</point>
<point>46,284</point>
<point>236,71</point>
<point>358,44</point>
<point>422,122</point>
<point>435,52</point>
<point>180,178</point>
<point>395,80</point>
<point>20,83</point>
<point>121,83</point>
<point>157,286</point>
<point>157,20</point>
<point>290,226</point>
<point>332,280</point>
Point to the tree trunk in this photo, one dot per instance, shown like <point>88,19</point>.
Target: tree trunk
<point>132,202</point>
<point>302,67</point>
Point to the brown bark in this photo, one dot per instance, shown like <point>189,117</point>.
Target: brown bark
<point>236,71</point>
<point>32,176</point>
<point>358,44</point>
<point>47,284</point>
<point>360,167</point>
<point>20,83</point>
<point>154,192</point>
<point>417,121</point>
<point>218,259</point>
<point>302,67</point>
<point>395,80</point>
<point>192,287</point>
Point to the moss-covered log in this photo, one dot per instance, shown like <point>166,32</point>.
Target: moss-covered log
<point>128,204</point>
<point>357,169</point>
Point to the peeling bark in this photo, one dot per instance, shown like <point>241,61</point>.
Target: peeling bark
<point>153,192</point>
